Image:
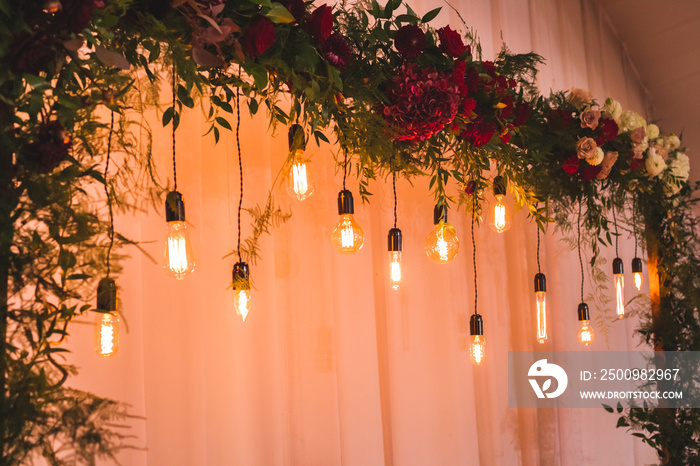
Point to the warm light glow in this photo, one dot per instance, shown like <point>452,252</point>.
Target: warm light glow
<point>300,183</point>
<point>241,301</point>
<point>442,244</point>
<point>499,220</point>
<point>586,335</point>
<point>395,269</point>
<point>179,258</point>
<point>540,298</point>
<point>347,237</point>
<point>107,334</point>
<point>638,280</point>
<point>620,294</point>
<point>477,349</point>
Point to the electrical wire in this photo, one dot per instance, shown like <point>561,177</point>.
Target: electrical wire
<point>109,202</point>
<point>240,164</point>
<point>474,253</point>
<point>580,259</point>
<point>395,201</point>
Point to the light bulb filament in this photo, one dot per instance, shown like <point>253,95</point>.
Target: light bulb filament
<point>638,280</point>
<point>541,317</point>
<point>242,303</point>
<point>620,295</point>
<point>347,235</point>
<point>586,334</point>
<point>499,216</point>
<point>442,247</point>
<point>477,351</point>
<point>395,270</point>
<point>177,254</point>
<point>301,184</point>
<point>107,335</point>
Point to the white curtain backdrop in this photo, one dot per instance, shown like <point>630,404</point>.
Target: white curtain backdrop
<point>332,367</point>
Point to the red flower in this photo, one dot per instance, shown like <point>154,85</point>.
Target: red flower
<point>337,51</point>
<point>489,67</point>
<point>470,188</point>
<point>468,106</point>
<point>409,41</point>
<point>50,148</point>
<point>478,132</point>
<point>508,109</point>
<point>521,113</point>
<point>472,79</point>
<point>609,128</point>
<point>635,163</point>
<point>451,43</point>
<point>458,75</point>
<point>570,164</point>
<point>320,23</point>
<point>296,8</point>
<point>559,118</point>
<point>422,100</point>
<point>259,36</point>
<point>589,172</point>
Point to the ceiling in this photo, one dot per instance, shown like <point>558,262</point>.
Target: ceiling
<point>662,38</point>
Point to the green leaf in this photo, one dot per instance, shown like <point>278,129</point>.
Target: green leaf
<point>266,3</point>
<point>619,407</point>
<point>253,106</point>
<point>168,115</point>
<point>429,16</point>
<point>78,276</point>
<point>622,422</point>
<point>223,122</point>
<point>66,259</point>
<point>35,82</point>
<point>279,14</point>
<point>608,408</point>
<point>407,19</point>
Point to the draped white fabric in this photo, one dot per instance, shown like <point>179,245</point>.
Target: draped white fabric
<point>333,367</point>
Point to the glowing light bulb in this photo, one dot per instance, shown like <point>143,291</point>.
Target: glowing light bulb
<point>477,347</point>
<point>241,289</point>
<point>300,183</point>
<point>585,334</point>
<point>637,272</point>
<point>178,255</point>
<point>540,301</point>
<point>442,244</point>
<point>107,322</point>
<point>347,237</point>
<point>52,6</point>
<point>619,280</point>
<point>499,219</point>
<point>395,241</point>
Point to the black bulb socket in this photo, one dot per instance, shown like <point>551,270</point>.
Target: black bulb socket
<point>107,295</point>
<point>174,207</point>
<point>241,276</point>
<point>296,138</point>
<point>345,203</point>
<point>476,325</point>
<point>636,265</point>
<point>499,186</point>
<point>540,283</point>
<point>618,267</point>
<point>583,313</point>
<point>395,240</point>
<point>439,214</point>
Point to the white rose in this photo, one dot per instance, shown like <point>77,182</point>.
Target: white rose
<point>630,120</point>
<point>672,142</point>
<point>613,108</point>
<point>654,165</point>
<point>598,157</point>
<point>680,166</point>
<point>652,131</point>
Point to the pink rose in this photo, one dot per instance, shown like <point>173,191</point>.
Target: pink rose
<point>589,118</point>
<point>586,148</point>
<point>606,166</point>
<point>639,135</point>
<point>638,151</point>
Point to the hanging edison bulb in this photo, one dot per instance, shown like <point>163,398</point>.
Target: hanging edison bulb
<point>477,347</point>
<point>619,280</point>
<point>637,272</point>
<point>347,237</point>
<point>241,289</point>
<point>585,334</point>
<point>300,183</point>
<point>52,6</point>
<point>395,246</point>
<point>178,255</point>
<point>500,216</point>
<point>442,243</point>
<point>107,321</point>
<point>540,301</point>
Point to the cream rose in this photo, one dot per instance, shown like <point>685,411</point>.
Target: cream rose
<point>672,142</point>
<point>652,131</point>
<point>654,165</point>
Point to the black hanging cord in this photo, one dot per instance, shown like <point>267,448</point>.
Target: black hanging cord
<point>617,254</point>
<point>580,260</point>
<point>395,201</point>
<point>634,225</point>
<point>474,252</point>
<point>345,168</point>
<point>240,166</point>
<point>109,202</point>
<point>539,270</point>
<point>174,100</point>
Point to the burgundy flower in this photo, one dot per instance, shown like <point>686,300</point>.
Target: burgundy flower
<point>635,163</point>
<point>296,8</point>
<point>468,106</point>
<point>479,132</point>
<point>470,188</point>
<point>589,172</point>
<point>259,36</point>
<point>506,133</point>
<point>337,51</point>
<point>559,118</point>
<point>49,149</point>
<point>489,67</point>
<point>409,41</point>
<point>34,54</point>
<point>422,100</point>
<point>570,164</point>
<point>77,14</point>
<point>506,111</point>
<point>451,43</point>
<point>521,113</point>
<point>472,79</point>
<point>609,127</point>
<point>320,23</point>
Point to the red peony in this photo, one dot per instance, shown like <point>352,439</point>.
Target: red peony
<point>590,172</point>
<point>559,118</point>
<point>521,113</point>
<point>409,41</point>
<point>296,8</point>
<point>470,188</point>
<point>609,127</point>
<point>468,106</point>
<point>451,43</point>
<point>489,67</point>
<point>472,79</point>
<point>337,51</point>
<point>570,164</point>
<point>635,163</point>
<point>320,23</point>
<point>506,111</point>
<point>479,132</point>
<point>259,36</point>
<point>422,100</point>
